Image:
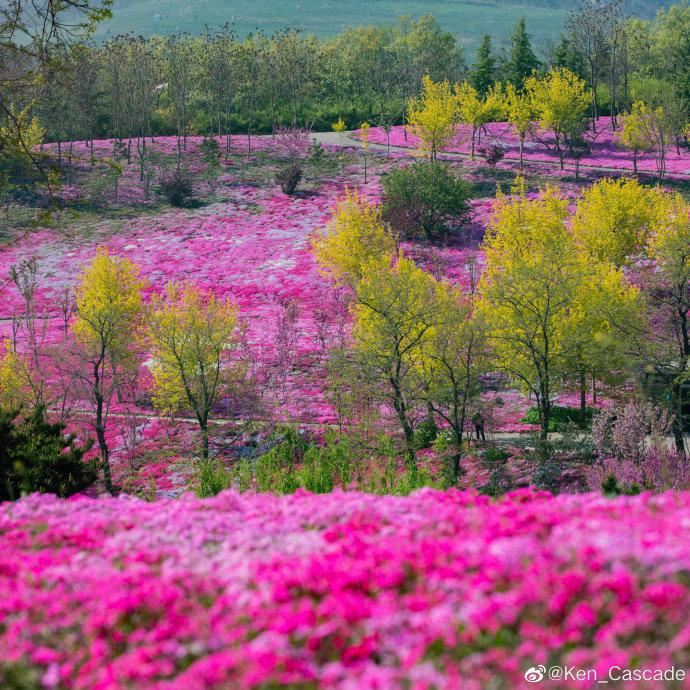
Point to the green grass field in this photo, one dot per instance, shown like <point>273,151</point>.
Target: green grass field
<point>467,20</point>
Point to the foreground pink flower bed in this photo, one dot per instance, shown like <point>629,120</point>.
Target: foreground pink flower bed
<point>437,590</point>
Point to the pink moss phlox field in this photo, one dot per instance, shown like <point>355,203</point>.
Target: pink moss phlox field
<point>605,149</point>
<point>442,590</point>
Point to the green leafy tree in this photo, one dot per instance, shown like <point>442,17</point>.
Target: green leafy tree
<point>424,197</point>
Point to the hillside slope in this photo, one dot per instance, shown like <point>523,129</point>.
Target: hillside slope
<point>467,20</point>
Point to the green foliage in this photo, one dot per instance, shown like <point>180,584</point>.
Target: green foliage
<point>483,73</point>
<point>176,187</point>
<point>324,468</point>
<point>396,483</point>
<point>425,434</point>
<point>35,455</point>
<point>611,487</point>
<point>295,463</point>
<point>424,197</point>
<point>212,478</point>
<point>210,151</point>
<point>522,61</point>
<point>495,456</point>
<point>560,417</point>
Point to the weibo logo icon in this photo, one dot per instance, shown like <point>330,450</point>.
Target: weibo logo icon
<point>535,673</point>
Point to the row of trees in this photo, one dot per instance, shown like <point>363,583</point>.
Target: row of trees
<point>620,58</point>
<point>132,87</point>
<point>557,102</point>
<point>592,296</point>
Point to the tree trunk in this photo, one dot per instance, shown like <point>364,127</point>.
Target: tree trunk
<point>583,399</point>
<point>203,426</point>
<point>102,443</point>
<point>408,433</point>
<point>677,420</point>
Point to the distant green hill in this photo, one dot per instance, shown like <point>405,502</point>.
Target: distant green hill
<point>466,19</point>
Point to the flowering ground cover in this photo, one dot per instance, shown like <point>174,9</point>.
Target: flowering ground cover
<point>248,242</point>
<point>605,151</point>
<point>435,590</point>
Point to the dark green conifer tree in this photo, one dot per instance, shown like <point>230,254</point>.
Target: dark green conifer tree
<point>521,58</point>
<point>483,74</point>
<point>36,455</point>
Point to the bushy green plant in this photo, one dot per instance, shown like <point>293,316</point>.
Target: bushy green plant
<point>495,456</point>
<point>424,198</point>
<point>210,151</point>
<point>212,478</point>
<point>295,463</point>
<point>561,417</point>
<point>36,455</point>
<point>425,434</point>
<point>276,469</point>
<point>611,487</point>
<point>325,467</point>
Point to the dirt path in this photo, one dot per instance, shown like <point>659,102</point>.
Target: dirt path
<point>349,139</point>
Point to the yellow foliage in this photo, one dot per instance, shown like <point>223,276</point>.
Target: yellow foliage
<point>339,125</point>
<point>560,101</point>
<point>354,239</point>
<point>364,135</point>
<point>528,286</point>
<point>20,133</point>
<point>475,110</point>
<point>614,218</point>
<point>633,134</point>
<point>192,334</point>
<point>109,305</point>
<point>669,245</point>
<point>519,111</point>
<point>394,313</point>
<point>432,117</point>
<point>15,378</point>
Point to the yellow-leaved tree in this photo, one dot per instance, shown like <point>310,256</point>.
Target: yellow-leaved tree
<point>666,344</point>
<point>560,100</point>
<point>16,378</point>
<point>394,316</point>
<point>354,238</point>
<point>456,353</point>
<point>530,282</point>
<point>519,111</point>
<point>431,118</point>
<point>476,110</point>
<point>597,348</point>
<point>194,338</point>
<point>633,133</point>
<point>109,311</point>
<point>615,218</point>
